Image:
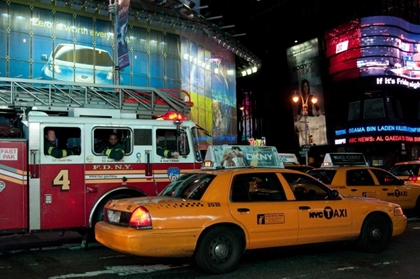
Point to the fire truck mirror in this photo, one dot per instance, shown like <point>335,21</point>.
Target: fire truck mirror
<point>183,142</point>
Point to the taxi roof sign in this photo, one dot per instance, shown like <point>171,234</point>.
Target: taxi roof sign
<point>237,156</point>
<point>344,159</point>
<point>288,158</point>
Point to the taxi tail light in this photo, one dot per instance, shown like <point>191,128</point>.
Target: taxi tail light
<point>398,211</point>
<point>140,218</point>
<point>414,178</point>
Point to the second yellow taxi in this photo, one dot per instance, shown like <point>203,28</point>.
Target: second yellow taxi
<point>350,174</point>
<point>216,214</point>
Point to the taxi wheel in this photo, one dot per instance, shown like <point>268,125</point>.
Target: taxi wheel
<point>219,250</point>
<point>375,234</point>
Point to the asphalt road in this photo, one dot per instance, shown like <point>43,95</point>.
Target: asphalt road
<point>56,256</point>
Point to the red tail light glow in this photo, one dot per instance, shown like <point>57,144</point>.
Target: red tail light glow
<point>140,218</point>
<point>414,178</point>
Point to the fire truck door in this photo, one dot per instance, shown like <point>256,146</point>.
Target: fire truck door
<point>13,185</point>
<point>62,197</point>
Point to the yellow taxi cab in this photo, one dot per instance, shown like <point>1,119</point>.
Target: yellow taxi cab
<point>291,162</point>
<point>216,214</point>
<point>408,171</point>
<point>350,174</point>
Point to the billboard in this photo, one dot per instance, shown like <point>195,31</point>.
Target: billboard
<point>122,30</point>
<point>384,47</point>
<point>305,76</point>
<point>59,44</point>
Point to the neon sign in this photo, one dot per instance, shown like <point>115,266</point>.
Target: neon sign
<point>387,138</point>
<point>257,142</point>
<point>397,81</point>
<point>377,128</point>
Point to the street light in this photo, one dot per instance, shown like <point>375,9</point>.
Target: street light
<point>304,113</point>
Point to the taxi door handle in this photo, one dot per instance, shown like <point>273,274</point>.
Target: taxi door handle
<point>243,210</point>
<point>304,207</point>
<point>354,190</point>
<point>384,189</point>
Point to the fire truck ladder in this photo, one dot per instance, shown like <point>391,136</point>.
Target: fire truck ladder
<point>54,96</point>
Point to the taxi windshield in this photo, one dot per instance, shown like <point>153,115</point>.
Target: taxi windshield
<point>188,186</point>
<point>409,169</point>
<point>325,176</point>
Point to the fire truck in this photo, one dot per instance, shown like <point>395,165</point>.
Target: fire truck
<point>41,193</point>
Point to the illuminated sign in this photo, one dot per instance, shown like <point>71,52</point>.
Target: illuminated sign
<point>377,128</point>
<point>342,159</point>
<point>257,142</point>
<point>397,81</point>
<point>383,46</point>
<point>386,138</point>
<point>340,141</point>
<point>343,46</point>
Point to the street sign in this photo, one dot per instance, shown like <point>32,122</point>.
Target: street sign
<point>302,153</point>
<point>306,147</point>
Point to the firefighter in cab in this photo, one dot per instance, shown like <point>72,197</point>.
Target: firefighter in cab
<point>113,149</point>
<point>161,148</point>
<point>51,149</point>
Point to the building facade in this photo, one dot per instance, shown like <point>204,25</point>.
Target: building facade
<point>370,77</point>
<point>166,44</point>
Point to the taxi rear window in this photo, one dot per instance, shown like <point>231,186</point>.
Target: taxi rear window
<point>297,167</point>
<point>188,186</point>
<point>325,176</point>
<point>412,169</point>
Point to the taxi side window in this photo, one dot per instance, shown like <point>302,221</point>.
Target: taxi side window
<point>306,188</point>
<point>359,177</point>
<point>257,187</point>
<point>385,178</point>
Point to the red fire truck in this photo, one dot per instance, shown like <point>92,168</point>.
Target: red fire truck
<point>41,193</point>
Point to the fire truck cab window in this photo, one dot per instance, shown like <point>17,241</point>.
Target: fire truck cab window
<point>168,142</point>
<point>104,138</point>
<point>61,142</point>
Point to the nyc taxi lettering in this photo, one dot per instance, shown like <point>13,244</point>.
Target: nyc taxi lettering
<point>271,218</point>
<point>213,204</point>
<point>338,187</point>
<point>369,194</point>
<point>398,193</point>
<point>111,167</point>
<point>329,213</point>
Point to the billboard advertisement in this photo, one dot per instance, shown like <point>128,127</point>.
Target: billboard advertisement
<point>122,30</point>
<point>384,47</point>
<point>59,44</point>
<point>306,86</point>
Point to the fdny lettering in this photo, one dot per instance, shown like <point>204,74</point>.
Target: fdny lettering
<point>329,213</point>
<point>398,194</point>
<point>111,167</point>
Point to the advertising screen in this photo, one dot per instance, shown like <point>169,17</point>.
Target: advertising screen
<point>381,46</point>
<point>68,45</point>
<point>307,95</point>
